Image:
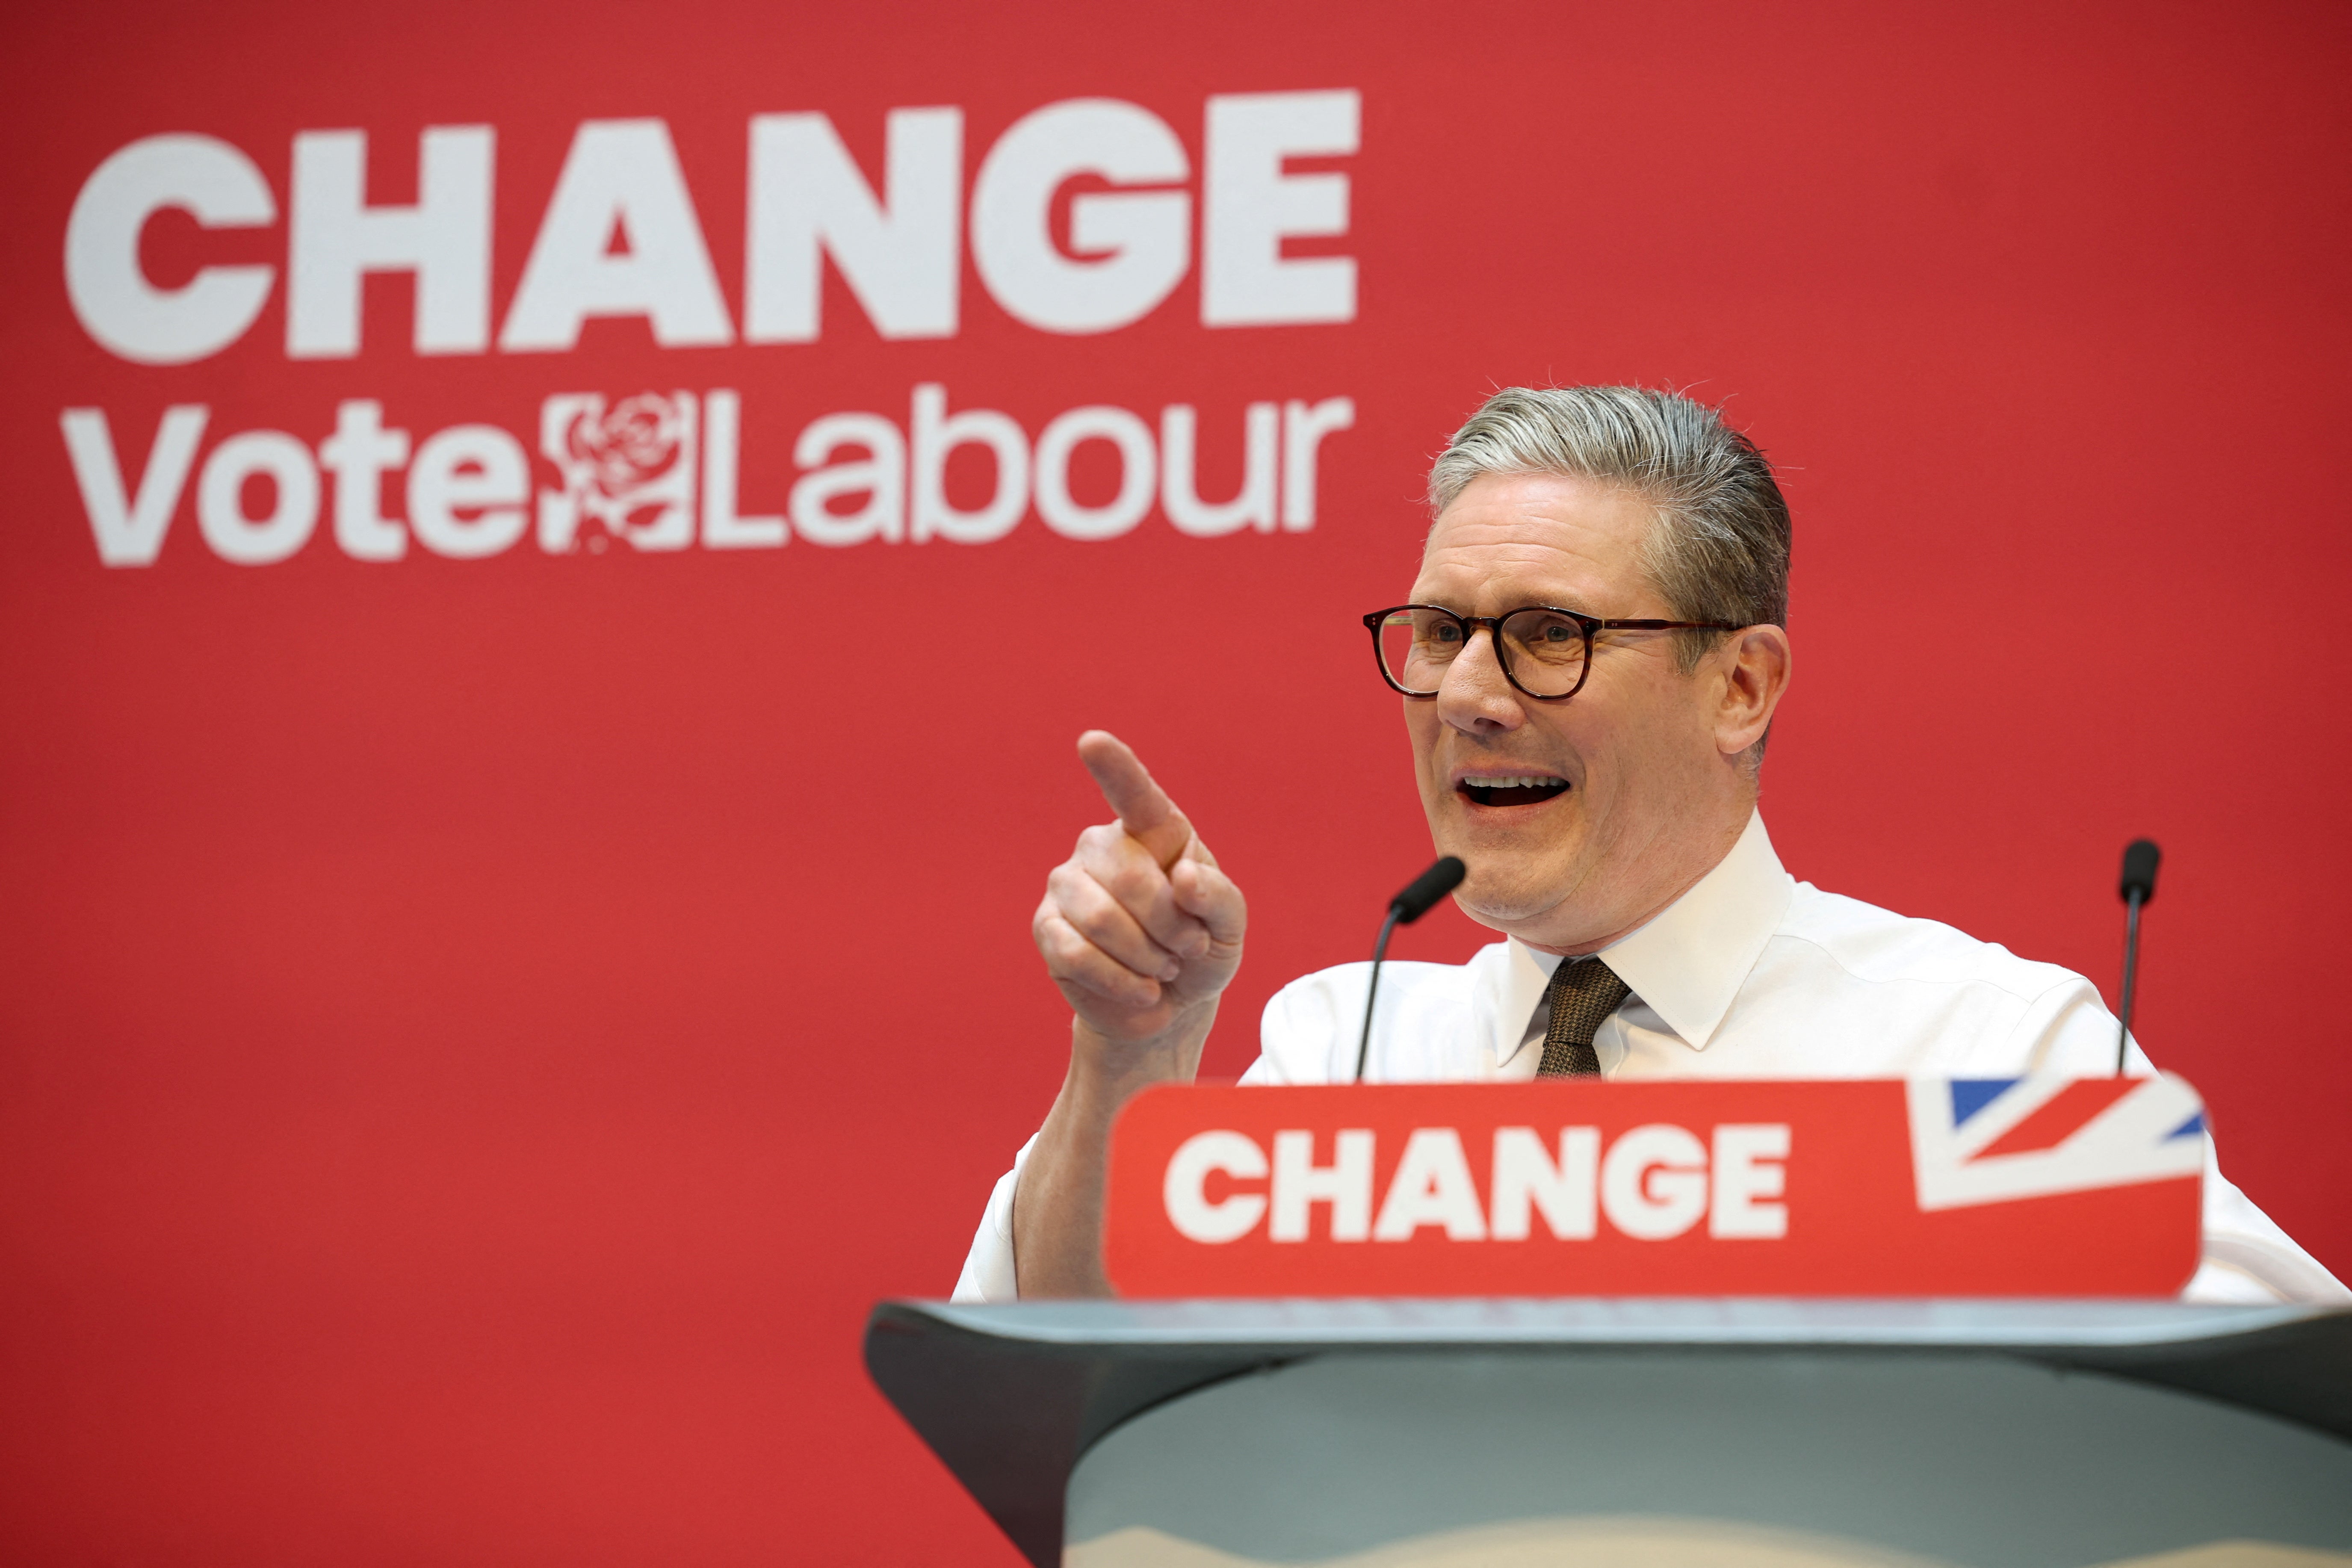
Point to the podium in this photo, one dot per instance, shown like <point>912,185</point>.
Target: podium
<point>1650,1433</point>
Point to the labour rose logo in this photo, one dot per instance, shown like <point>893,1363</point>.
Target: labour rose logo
<point>628,470</point>
<point>634,444</point>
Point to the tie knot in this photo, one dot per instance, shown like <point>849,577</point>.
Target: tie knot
<point>1582,993</point>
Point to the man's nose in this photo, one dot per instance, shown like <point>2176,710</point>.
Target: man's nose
<point>1476,695</point>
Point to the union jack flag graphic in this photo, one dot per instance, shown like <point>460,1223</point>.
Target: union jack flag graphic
<point>1995,1140</point>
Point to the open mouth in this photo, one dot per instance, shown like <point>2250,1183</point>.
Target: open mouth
<point>1522,789</point>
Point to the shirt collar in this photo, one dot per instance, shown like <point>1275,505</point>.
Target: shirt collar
<point>1689,962</point>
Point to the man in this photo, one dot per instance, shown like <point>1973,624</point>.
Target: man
<point>1589,666</point>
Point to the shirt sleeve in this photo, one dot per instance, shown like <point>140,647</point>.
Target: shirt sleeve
<point>2244,1257</point>
<point>988,1272</point>
<point>1297,1033</point>
<point>2248,1259</point>
<point>988,1267</point>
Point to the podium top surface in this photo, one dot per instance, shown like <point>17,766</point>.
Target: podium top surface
<point>1012,1396</point>
<point>1321,1324</point>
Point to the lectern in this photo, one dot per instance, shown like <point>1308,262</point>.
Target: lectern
<point>1638,1433</point>
<point>1696,1324</point>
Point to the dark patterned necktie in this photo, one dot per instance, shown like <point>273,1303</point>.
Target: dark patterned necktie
<point>1582,993</point>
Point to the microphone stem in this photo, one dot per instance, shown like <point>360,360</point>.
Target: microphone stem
<point>1373,992</point>
<point>2131,975</point>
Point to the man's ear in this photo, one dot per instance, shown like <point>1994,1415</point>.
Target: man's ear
<point>1753,665</point>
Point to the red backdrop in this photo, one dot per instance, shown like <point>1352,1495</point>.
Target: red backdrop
<point>481,1032</point>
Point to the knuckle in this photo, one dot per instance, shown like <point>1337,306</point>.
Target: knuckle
<point>1098,913</point>
<point>1075,894</point>
<point>1094,925</point>
<point>1137,897</point>
<point>1067,951</point>
<point>1138,878</point>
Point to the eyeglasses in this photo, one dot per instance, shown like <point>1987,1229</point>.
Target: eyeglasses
<point>1545,652</point>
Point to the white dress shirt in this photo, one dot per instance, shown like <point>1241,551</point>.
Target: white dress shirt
<point>1750,974</point>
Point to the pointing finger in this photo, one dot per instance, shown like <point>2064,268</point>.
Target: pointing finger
<point>1143,807</point>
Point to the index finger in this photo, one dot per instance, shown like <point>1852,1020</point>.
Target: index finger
<point>1143,807</point>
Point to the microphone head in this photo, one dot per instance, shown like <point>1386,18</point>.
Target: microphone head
<point>1427,888</point>
<point>2141,857</point>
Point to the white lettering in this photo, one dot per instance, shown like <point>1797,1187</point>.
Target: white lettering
<point>1184,1195</point>
<point>1304,426</point>
<point>358,454</point>
<point>220,497</point>
<point>1131,248</point>
<point>1299,1184</point>
<point>1123,430</point>
<point>1251,206</point>
<point>1179,475</point>
<point>621,177</point>
<point>900,256</point>
<point>881,476</point>
<point>1653,1181</point>
<point>445,239</point>
<point>129,316</point>
<point>632,470</point>
<point>1524,1178</point>
<point>129,533</point>
<point>469,467</point>
<point>723,528</point>
<point>1746,1168</point>
<point>935,435</point>
<point>1431,1186</point>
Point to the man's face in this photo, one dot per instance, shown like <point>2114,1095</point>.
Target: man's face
<point>1635,799</point>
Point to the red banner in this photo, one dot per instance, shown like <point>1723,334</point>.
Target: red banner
<point>1859,1187</point>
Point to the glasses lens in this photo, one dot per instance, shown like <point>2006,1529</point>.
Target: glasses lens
<point>1546,650</point>
<point>1416,645</point>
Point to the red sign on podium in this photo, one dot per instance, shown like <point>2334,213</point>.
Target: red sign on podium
<point>2031,1186</point>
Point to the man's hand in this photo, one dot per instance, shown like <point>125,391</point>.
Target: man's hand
<point>1138,927</point>
<point>1142,934</point>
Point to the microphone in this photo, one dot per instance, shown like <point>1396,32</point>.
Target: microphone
<point>1423,893</point>
<point>1407,906</point>
<point>2137,888</point>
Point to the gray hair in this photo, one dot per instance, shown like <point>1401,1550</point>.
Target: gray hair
<point>1718,548</point>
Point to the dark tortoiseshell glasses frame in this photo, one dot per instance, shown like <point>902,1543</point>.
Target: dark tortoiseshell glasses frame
<point>1588,624</point>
